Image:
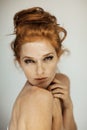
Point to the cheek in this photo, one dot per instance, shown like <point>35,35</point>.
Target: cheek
<point>28,71</point>
<point>52,68</point>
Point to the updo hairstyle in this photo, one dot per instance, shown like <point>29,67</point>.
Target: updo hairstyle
<point>35,24</point>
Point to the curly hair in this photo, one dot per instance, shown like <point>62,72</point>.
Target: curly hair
<point>36,24</point>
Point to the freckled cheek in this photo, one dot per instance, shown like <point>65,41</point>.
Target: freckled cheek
<point>49,70</point>
<point>52,69</point>
<point>29,72</point>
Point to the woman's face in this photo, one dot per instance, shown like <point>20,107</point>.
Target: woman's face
<point>39,62</point>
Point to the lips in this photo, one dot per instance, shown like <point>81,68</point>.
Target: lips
<point>41,78</point>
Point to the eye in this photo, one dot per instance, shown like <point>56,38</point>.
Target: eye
<point>48,58</point>
<point>27,61</point>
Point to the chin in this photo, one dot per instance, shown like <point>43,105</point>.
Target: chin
<point>43,84</point>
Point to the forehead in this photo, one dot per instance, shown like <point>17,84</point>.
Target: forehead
<point>37,49</point>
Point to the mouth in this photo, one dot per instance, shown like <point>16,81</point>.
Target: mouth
<point>42,82</point>
<point>43,78</point>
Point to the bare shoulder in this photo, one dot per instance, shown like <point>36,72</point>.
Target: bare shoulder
<point>36,95</point>
<point>18,101</point>
<point>30,98</point>
<point>30,105</point>
<point>63,78</point>
<point>29,94</point>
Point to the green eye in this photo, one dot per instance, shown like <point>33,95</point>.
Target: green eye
<point>27,61</point>
<point>49,58</point>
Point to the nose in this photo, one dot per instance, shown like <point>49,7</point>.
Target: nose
<point>40,69</point>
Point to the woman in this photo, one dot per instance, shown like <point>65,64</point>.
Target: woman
<point>44,102</point>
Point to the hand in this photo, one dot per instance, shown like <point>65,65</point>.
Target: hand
<point>61,90</point>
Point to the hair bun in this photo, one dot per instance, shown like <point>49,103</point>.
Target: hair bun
<point>33,15</point>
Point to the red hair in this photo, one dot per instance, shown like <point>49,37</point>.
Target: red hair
<point>34,24</point>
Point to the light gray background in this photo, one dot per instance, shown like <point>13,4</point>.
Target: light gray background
<point>71,14</point>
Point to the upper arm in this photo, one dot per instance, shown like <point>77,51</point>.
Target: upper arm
<point>36,112</point>
<point>14,116</point>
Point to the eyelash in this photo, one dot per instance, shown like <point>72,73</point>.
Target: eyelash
<point>49,58</point>
<point>27,61</point>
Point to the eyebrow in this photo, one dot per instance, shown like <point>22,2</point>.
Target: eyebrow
<point>33,57</point>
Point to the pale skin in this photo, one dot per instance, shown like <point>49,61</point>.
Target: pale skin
<point>42,104</point>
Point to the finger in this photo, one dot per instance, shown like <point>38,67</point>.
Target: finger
<point>61,96</point>
<point>53,86</point>
<point>57,91</point>
<point>59,82</point>
<point>57,86</point>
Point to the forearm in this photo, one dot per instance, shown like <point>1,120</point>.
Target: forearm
<point>57,122</point>
<point>68,120</point>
